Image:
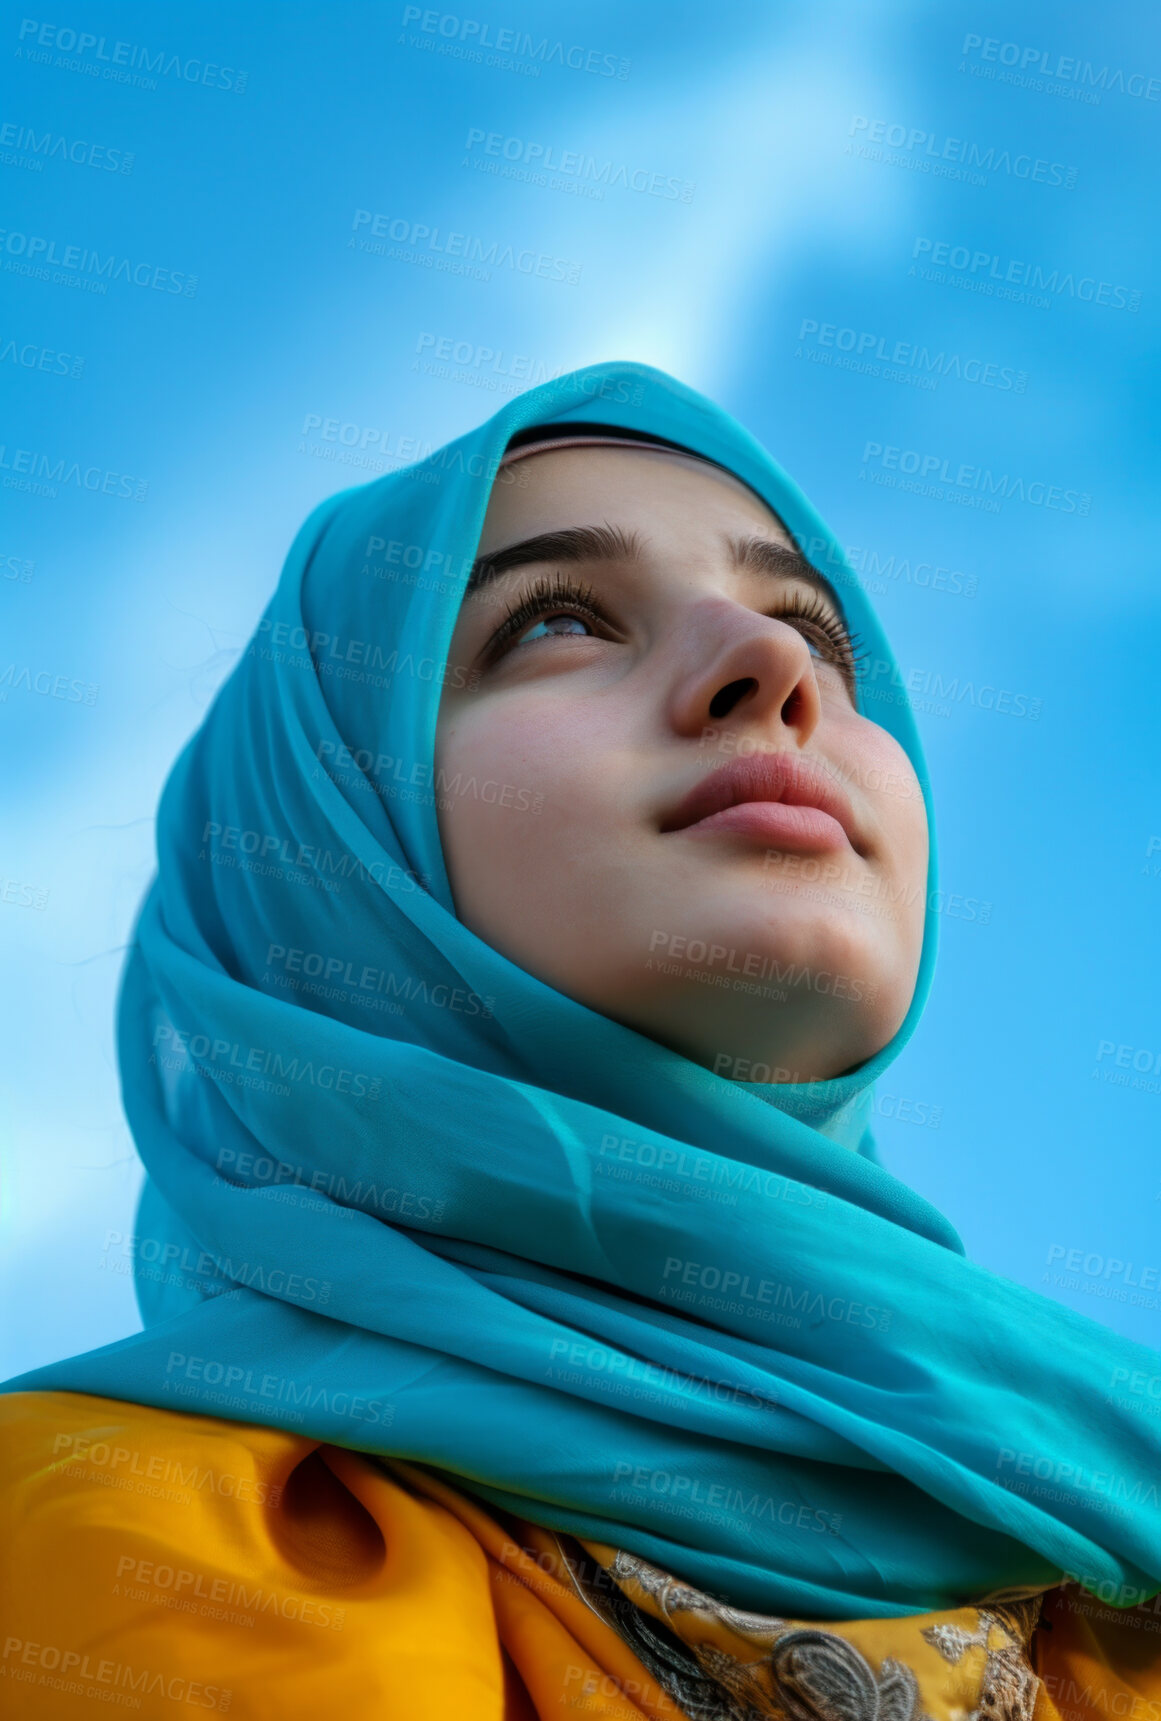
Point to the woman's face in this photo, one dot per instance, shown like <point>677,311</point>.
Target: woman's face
<point>655,791</point>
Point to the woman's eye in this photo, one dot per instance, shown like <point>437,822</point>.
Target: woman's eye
<point>822,649</point>
<point>547,626</point>
<point>826,640</point>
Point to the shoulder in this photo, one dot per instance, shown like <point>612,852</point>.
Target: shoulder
<point>51,1439</point>
<point>183,1559</point>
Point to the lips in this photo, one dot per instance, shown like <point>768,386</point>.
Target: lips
<point>787,800</point>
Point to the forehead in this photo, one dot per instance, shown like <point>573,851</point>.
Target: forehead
<point>647,487</point>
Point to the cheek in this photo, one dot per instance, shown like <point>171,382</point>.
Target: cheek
<point>902,816</point>
<point>881,773</point>
<point>520,791</point>
<point>528,752</point>
<point>893,791</point>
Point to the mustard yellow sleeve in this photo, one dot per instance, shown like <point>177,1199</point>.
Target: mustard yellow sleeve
<point>1096,1662</point>
<point>165,1564</point>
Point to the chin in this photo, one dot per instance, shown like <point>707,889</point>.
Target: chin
<point>839,940</point>
<point>804,991</point>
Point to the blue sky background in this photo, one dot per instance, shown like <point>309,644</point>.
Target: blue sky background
<point>1010,1109</point>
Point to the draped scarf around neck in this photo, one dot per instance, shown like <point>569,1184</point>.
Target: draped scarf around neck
<point>404,1197</point>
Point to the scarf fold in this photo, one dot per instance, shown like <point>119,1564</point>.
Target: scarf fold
<point>406,1198</point>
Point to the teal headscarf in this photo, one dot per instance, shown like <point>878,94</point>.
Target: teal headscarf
<point>404,1197</point>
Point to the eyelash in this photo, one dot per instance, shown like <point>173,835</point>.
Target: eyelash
<point>550,594</point>
<point>545,595</point>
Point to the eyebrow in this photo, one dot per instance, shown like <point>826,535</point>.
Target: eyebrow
<point>611,543</point>
<point>573,544</point>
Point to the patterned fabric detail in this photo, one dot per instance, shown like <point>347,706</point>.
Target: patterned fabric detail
<point>671,1662</point>
<point>720,1663</point>
<point>1009,1686</point>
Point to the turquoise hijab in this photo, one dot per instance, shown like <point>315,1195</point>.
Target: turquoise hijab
<point>406,1198</point>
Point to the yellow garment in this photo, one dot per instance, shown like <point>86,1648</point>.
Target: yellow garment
<point>162,1564</point>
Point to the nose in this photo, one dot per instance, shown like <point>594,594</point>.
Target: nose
<point>752,669</point>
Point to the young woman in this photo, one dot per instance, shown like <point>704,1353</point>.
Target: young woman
<point>529,1326</point>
